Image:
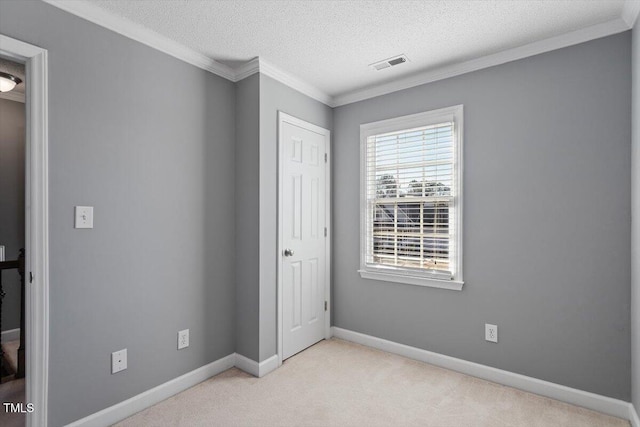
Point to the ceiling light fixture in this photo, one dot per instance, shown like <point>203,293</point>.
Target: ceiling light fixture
<point>8,82</point>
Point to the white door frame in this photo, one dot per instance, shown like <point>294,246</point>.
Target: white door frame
<point>286,118</point>
<point>37,224</point>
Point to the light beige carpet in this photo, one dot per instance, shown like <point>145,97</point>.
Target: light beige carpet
<point>12,391</point>
<point>337,383</point>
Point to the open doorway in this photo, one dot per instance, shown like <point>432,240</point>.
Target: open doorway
<point>34,332</point>
<point>12,241</point>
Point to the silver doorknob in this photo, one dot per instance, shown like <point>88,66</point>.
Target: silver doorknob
<point>288,252</point>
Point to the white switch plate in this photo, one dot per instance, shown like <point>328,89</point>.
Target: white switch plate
<point>84,217</point>
<point>183,339</point>
<point>118,361</point>
<point>490,332</point>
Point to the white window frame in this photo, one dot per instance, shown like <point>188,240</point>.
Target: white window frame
<point>398,274</point>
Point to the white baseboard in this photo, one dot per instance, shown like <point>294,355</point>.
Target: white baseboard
<point>122,410</point>
<point>251,367</point>
<point>10,335</point>
<point>125,409</point>
<point>254,368</point>
<point>633,416</point>
<point>596,402</point>
<point>267,366</point>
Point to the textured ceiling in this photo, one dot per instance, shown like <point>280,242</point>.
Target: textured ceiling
<point>15,69</point>
<point>330,44</point>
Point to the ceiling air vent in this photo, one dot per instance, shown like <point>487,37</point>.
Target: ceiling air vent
<point>390,62</point>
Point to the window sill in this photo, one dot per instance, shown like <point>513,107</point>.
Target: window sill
<point>453,285</point>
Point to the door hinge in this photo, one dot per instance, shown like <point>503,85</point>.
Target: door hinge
<point>325,157</point>
<point>30,277</point>
<point>325,232</point>
<point>325,306</point>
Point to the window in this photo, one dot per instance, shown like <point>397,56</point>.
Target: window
<point>411,199</point>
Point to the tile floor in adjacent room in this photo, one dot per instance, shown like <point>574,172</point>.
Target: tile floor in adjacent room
<point>338,383</point>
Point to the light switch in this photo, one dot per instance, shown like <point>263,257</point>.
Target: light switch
<point>84,217</point>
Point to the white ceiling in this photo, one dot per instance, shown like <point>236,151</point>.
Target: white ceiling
<point>329,44</point>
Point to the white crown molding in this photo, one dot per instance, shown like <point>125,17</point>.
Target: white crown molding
<point>164,44</point>
<point>575,37</point>
<point>247,69</point>
<point>12,96</point>
<point>596,402</point>
<point>259,65</point>
<point>143,35</point>
<point>295,83</point>
<point>123,26</point>
<point>630,11</point>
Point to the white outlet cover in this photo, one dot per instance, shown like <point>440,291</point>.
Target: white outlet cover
<point>183,339</point>
<point>491,332</point>
<point>84,217</point>
<point>118,361</point>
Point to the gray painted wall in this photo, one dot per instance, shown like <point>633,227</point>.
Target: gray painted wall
<point>635,221</point>
<point>155,158</point>
<point>12,152</point>
<point>274,97</point>
<point>258,100</point>
<point>547,220</point>
<point>148,141</point>
<point>247,173</point>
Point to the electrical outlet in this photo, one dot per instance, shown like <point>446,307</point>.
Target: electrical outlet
<point>490,332</point>
<point>118,361</point>
<point>183,339</point>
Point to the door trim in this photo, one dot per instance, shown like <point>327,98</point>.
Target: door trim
<point>37,224</point>
<point>286,118</point>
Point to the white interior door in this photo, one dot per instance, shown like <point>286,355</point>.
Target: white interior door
<point>303,242</point>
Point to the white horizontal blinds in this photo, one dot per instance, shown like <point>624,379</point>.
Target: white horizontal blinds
<point>410,189</point>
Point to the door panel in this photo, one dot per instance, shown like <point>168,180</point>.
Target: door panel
<point>296,207</point>
<point>296,295</point>
<point>303,221</point>
<point>313,277</point>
